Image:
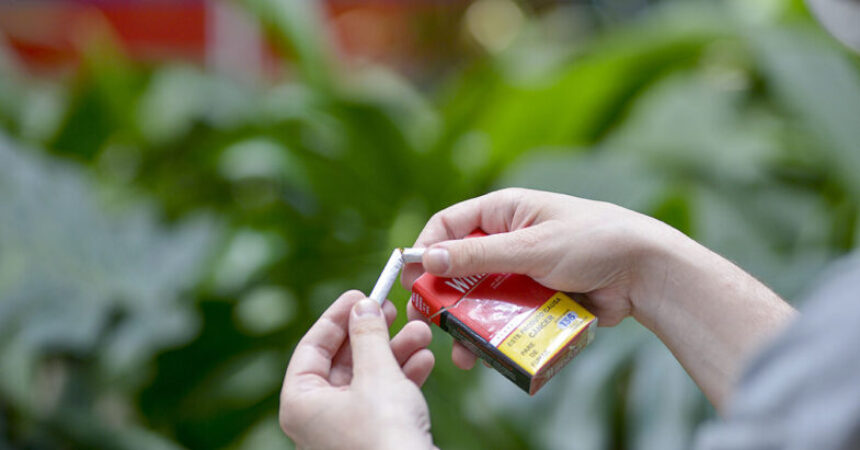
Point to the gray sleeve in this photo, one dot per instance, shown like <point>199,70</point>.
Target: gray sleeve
<point>802,392</point>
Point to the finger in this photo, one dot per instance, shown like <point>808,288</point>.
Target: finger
<point>389,311</point>
<point>314,353</point>
<point>410,273</point>
<point>368,336</point>
<point>418,367</point>
<point>493,212</point>
<point>341,369</point>
<point>496,212</point>
<point>413,314</point>
<point>413,337</point>
<point>519,251</point>
<point>463,357</point>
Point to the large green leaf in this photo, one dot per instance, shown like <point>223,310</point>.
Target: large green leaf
<point>577,103</point>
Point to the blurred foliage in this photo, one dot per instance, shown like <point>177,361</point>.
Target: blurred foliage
<point>168,321</point>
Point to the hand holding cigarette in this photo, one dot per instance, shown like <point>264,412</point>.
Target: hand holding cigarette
<point>363,392</point>
<point>347,387</point>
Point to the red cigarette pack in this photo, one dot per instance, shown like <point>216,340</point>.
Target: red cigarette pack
<point>524,330</point>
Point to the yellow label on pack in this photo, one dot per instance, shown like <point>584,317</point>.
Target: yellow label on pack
<point>546,331</point>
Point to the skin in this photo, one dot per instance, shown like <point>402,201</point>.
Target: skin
<point>711,314</point>
<point>348,387</point>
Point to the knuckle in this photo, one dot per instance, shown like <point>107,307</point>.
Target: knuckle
<point>423,333</point>
<point>511,191</point>
<point>438,227</point>
<point>353,293</point>
<point>515,194</point>
<point>537,253</point>
<point>474,255</point>
<point>435,218</point>
<point>528,239</point>
<point>367,327</point>
<point>419,332</point>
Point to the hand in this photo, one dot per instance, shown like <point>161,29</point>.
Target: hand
<point>711,314</point>
<point>347,387</point>
<point>563,242</point>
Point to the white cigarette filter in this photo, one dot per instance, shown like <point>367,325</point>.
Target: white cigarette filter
<point>389,275</point>
<point>412,255</point>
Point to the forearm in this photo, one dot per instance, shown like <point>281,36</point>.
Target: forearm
<point>711,314</point>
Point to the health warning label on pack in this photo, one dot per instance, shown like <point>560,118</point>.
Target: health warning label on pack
<point>546,331</point>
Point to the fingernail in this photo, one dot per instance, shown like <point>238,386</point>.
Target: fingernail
<point>438,260</point>
<point>367,307</point>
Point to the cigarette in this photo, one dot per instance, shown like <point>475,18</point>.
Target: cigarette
<point>412,255</point>
<point>386,279</point>
<point>391,271</point>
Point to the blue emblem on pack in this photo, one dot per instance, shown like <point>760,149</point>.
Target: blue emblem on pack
<point>568,319</point>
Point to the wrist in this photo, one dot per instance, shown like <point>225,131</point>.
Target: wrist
<point>711,314</point>
<point>665,262</point>
<point>403,430</point>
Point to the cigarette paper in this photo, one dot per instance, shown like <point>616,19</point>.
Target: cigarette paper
<point>388,276</point>
<point>412,255</point>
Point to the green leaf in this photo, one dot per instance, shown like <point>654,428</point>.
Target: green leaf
<point>692,126</point>
<point>297,26</point>
<point>77,279</point>
<point>819,85</point>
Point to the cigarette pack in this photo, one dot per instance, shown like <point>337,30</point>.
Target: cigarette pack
<point>524,330</point>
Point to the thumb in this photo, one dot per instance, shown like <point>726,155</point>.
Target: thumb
<point>519,251</point>
<point>368,337</point>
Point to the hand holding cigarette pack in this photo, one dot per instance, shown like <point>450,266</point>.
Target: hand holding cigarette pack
<point>524,330</point>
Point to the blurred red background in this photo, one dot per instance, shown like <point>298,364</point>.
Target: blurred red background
<point>50,35</point>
